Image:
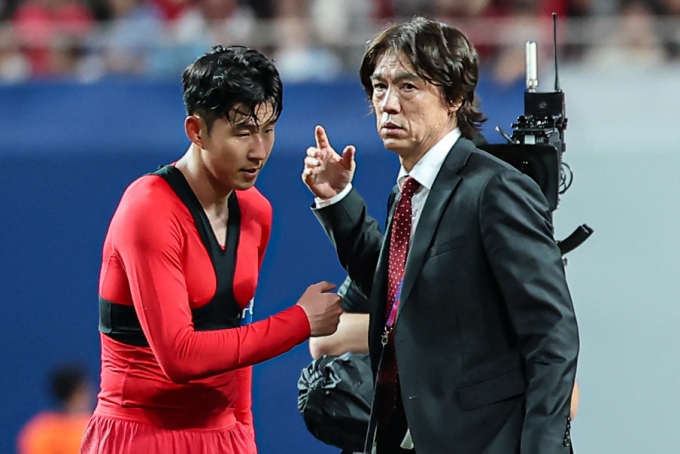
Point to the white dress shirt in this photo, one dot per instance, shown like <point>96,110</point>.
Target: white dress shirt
<point>424,172</point>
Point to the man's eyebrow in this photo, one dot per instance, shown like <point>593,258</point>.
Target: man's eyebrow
<point>249,123</point>
<point>399,77</point>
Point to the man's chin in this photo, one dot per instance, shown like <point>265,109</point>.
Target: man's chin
<point>243,185</point>
<point>394,145</point>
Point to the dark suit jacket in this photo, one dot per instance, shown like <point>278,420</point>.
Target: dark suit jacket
<point>486,336</point>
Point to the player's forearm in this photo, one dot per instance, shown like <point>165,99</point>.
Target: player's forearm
<point>199,354</point>
<point>351,336</point>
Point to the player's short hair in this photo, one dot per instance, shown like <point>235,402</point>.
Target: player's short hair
<point>230,78</point>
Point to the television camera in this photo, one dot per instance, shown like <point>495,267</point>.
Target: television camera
<point>536,146</point>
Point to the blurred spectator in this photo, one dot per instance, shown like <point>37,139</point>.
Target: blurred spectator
<point>633,44</point>
<point>230,23</point>
<point>382,11</point>
<point>298,57</point>
<point>201,24</point>
<point>668,7</point>
<point>405,9</point>
<point>173,9</point>
<point>669,31</point>
<point>135,29</point>
<point>336,21</point>
<point>6,9</point>
<point>263,9</point>
<point>476,19</point>
<point>339,26</point>
<point>576,49</point>
<point>461,8</point>
<point>318,39</point>
<point>99,9</point>
<point>51,32</point>
<point>14,67</point>
<point>530,21</point>
<point>60,431</point>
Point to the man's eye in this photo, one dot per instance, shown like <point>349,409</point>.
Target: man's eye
<point>379,87</point>
<point>243,134</point>
<point>409,86</point>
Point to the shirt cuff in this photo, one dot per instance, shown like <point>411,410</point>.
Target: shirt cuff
<point>323,203</point>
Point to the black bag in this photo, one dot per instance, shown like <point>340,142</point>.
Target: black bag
<point>335,395</point>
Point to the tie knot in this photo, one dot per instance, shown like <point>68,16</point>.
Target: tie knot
<point>409,188</point>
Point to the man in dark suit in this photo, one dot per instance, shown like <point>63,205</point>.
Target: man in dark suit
<point>473,337</point>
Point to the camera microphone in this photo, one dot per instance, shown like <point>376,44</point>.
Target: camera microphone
<point>532,66</point>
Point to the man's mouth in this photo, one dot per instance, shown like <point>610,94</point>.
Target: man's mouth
<point>390,128</point>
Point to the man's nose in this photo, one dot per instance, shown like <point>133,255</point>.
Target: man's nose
<point>258,151</point>
<point>390,102</point>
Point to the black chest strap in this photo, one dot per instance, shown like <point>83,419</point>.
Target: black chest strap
<point>120,321</point>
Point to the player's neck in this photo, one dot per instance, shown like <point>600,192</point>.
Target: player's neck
<point>212,195</point>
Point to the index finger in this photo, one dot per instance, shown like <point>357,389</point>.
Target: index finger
<point>321,137</point>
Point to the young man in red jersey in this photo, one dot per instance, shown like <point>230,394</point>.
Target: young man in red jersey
<point>179,272</point>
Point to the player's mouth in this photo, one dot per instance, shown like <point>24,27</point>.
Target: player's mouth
<point>251,172</point>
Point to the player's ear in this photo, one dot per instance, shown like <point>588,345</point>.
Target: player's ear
<point>192,128</point>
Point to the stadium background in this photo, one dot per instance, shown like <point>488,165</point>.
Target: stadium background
<point>74,133</point>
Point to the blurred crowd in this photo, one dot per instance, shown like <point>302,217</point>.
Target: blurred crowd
<point>88,40</point>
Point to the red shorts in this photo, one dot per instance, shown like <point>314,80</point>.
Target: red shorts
<point>106,435</point>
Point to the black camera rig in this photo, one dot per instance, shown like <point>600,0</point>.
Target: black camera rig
<point>537,145</point>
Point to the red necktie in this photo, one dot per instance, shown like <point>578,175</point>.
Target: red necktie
<point>399,240</point>
<point>399,245</point>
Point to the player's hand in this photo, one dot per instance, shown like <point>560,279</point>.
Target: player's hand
<point>323,309</point>
<point>325,172</point>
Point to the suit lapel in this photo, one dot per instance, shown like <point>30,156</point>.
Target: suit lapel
<point>443,188</point>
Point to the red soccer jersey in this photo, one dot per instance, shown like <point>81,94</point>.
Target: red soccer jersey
<point>156,261</point>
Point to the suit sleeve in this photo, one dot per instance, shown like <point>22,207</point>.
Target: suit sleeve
<point>356,236</point>
<point>148,241</point>
<point>518,239</point>
<point>353,299</point>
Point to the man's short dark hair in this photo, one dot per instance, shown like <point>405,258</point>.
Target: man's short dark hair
<point>231,77</point>
<point>438,53</point>
<point>65,380</point>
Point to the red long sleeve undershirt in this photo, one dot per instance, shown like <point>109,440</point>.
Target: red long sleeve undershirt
<point>154,259</point>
